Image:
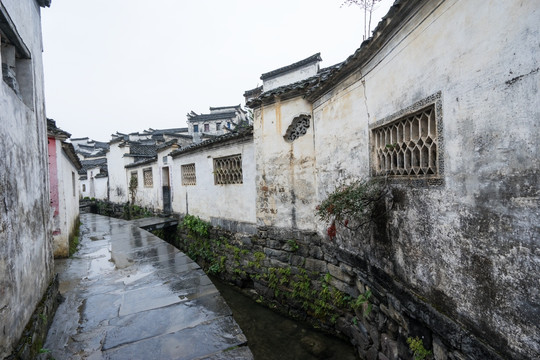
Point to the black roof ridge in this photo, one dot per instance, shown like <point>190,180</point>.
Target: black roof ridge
<point>215,116</point>
<point>215,140</point>
<point>288,68</point>
<point>225,107</point>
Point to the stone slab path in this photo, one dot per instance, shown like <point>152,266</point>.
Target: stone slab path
<point>130,295</point>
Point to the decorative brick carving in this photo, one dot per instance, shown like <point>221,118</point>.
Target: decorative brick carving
<point>298,127</point>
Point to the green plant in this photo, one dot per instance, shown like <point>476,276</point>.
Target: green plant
<point>293,245</point>
<point>416,345</point>
<point>362,301</point>
<point>196,226</point>
<point>133,185</point>
<point>352,205</point>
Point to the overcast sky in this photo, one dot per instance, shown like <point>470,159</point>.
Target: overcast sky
<point>126,66</point>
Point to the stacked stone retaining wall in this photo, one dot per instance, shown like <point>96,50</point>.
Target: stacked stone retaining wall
<point>307,277</point>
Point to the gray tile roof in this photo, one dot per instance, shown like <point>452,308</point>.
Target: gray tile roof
<point>210,117</point>
<point>101,163</point>
<point>317,85</point>
<point>245,132</point>
<point>313,58</point>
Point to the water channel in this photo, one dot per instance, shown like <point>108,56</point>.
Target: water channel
<point>272,336</point>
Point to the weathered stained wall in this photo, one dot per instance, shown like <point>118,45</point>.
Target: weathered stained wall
<point>230,203</point>
<point>26,262</point>
<point>467,246</point>
<point>285,174</point>
<point>65,193</point>
<point>146,196</point>
<point>118,186</point>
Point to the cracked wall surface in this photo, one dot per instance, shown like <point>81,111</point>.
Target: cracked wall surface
<point>26,263</point>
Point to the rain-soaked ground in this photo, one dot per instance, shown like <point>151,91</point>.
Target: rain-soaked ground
<point>131,295</point>
<point>272,336</point>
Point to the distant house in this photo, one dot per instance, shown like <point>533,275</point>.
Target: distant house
<point>143,156</point>
<point>64,188</point>
<point>94,178</point>
<point>219,121</point>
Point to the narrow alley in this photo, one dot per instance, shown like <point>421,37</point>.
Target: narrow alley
<point>130,295</point>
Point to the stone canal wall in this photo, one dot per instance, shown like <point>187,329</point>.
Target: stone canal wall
<point>301,274</point>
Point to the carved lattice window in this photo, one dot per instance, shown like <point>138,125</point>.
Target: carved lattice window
<point>228,170</point>
<point>408,146</point>
<point>188,174</point>
<point>298,127</point>
<point>148,179</point>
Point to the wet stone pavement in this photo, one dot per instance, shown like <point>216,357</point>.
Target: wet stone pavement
<point>130,295</point>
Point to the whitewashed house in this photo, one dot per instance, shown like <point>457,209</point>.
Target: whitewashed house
<point>26,251</point>
<point>221,120</point>
<point>64,188</point>
<point>442,103</point>
<point>215,180</point>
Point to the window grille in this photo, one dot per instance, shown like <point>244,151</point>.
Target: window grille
<point>228,170</point>
<point>147,176</point>
<point>407,146</point>
<point>206,127</point>
<point>195,128</point>
<point>188,174</point>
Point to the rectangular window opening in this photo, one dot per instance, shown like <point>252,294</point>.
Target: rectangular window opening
<point>188,174</point>
<point>407,146</point>
<point>148,179</point>
<point>228,170</point>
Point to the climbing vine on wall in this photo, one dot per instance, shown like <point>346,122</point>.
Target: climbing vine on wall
<point>353,205</point>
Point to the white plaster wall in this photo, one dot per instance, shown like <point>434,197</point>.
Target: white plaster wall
<point>285,170</point>
<point>147,196</point>
<point>101,187</point>
<point>474,238</point>
<point>235,202</point>
<point>301,73</point>
<point>118,185</point>
<point>68,211</point>
<point>26,262</point>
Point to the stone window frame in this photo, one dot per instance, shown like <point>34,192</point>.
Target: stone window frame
<point>228,170</point>
<point>206,127</point>
<point>189,174</point>
<point>148,177</point>
<point>218,126</point>
<point>195,128</point>
<point>16,66</point>
<point>298,127</point>
<point>433,102</point>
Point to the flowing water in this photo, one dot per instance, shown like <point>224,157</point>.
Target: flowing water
<point>272,336</point>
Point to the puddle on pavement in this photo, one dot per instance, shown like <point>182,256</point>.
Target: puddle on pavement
<point>272,336</point>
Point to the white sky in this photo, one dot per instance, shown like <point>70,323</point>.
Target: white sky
<point>126,66</point>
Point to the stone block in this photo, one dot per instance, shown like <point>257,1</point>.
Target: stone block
<point>389,347</point>
<point>279,255</point>
<point>339,274</point>
<point>316,265</point>
<point>439,350</point>
<point>372,353</point>
<point>316,252</point>
<point>296,260</point>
